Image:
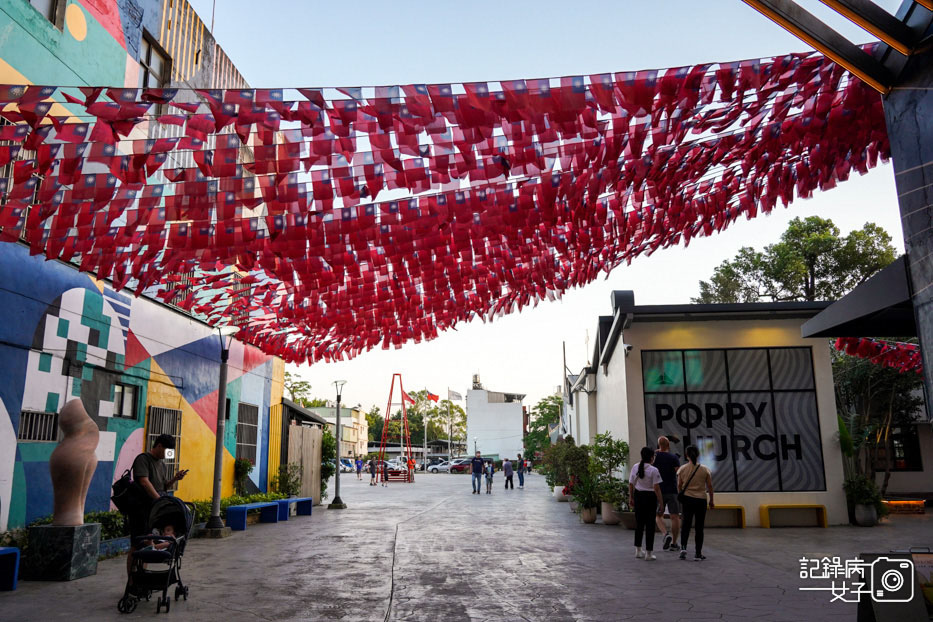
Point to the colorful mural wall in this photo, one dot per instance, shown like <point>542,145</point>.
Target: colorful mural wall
<point>68,336</point>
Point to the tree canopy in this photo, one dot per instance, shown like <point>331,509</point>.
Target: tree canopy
<point>810,262</point>
<point>546,412</point>
<point>435,413</point>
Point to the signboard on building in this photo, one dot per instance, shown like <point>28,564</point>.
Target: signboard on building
<point>752,412</point>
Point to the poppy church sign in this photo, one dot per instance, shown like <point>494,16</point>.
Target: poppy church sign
<point>752,412</point>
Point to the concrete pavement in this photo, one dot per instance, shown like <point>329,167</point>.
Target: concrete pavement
<point>433,551</point>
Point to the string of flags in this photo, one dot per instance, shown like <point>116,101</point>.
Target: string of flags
<point>329,221</point>
<point>904,357</point>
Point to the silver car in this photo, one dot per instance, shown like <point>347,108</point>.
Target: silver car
<point>440,467</point>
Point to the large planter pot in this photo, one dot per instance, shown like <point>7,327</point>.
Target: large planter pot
<point>588,515</point>
<point>627,519</point>
<point>610,516</point>
<point>559,493</point>
<point>866,515</point>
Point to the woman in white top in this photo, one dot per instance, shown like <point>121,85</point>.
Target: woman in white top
<point>644,495</point>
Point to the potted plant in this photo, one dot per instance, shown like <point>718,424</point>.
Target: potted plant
<point>611,493</point>
<point>554,467</point>
<point>242,467</point>
<point>625,513</point>
<point>864,495</point>
<point>586,494</point>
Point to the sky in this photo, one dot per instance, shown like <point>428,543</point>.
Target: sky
<point>292,43</point>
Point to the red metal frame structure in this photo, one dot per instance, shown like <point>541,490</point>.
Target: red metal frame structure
<point>404,433</point>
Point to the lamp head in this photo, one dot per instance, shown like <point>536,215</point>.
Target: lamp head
<point>226,337</point>
<point>339,386</point>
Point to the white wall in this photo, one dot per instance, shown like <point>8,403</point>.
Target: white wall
<point>584,420</point>
<point>611,405</point>
<point>497,426</point>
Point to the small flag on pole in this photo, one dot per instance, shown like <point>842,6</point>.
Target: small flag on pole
<point>453,395</point>
<point>433,397</point>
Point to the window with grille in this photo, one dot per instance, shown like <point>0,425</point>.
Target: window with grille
<point>247,428</point>
<point>165,421</point>
<point>187,280</point>
<point>38,426</point>
<point>124,401</point>
<point>153,69</point>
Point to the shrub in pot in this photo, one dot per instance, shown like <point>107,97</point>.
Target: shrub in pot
<point>586,493</point>
<point>611,494</point>
<point>863,494</point>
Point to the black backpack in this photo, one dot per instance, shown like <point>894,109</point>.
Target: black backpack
<point>128,496</point>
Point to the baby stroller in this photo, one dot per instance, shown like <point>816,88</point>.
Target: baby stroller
<point>144,581</point>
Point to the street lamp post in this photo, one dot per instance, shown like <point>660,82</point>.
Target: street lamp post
<point>226,339</point>
<point>337,503</point>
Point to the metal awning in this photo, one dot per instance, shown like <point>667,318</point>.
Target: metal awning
<point>879,307</point>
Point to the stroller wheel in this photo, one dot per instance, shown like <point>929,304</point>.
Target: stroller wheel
<point>127,604</point>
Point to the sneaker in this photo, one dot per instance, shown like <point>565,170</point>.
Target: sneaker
<point>668,539</point>
<point>683,555</point>
<point>649,556</point>
<point>699,557</point>
<point>639,553</point>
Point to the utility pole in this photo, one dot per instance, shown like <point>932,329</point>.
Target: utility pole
<point>449,431</point>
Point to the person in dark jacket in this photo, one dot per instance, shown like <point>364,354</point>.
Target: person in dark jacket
<point>520,464</point>
<point>477,466</point>
<point>507,472</point>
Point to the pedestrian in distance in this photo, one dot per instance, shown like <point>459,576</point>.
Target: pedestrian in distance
<point>507,472</point>
<point>477,465</point>
<point>359,468</point>
<point>667,464</point>
<point>385,473</point>
<point>490,469</point>
<point>694,481</point>
<point>644,494</point>
<point>520,464</point>
<point>372,471</point>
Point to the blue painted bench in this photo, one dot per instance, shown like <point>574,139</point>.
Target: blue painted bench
<point>236,514</point>
<point>302,509</point>
<point>9,567</point>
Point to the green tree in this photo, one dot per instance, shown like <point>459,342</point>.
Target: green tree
<point>328,455</point>
<point>298,389</point>
<point>374,420</point>
<point>810,262</point>
<point>546,412</point>
<point>872,399</point>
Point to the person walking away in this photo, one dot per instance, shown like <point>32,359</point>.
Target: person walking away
<point>507,472</point>
<point>151,474</point>
<point>667,464</point>
<point>359,468</point>
<point>476,467</point>
<point>694,481</point>
<point>521,472</point>
<point>490,469</point>
<point>644,494</point>
<point>372,471</point>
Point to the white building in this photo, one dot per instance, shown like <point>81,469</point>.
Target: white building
<point>495,422</point>
<point>354,429</point>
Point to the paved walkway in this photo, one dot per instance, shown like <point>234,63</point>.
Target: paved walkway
<point>432,551</point>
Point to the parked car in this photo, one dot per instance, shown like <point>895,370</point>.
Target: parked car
<point>440,467</point>
<point>347,466</point>
<point>460,465</point>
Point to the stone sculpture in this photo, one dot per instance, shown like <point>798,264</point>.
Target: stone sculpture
<point>72,464</point>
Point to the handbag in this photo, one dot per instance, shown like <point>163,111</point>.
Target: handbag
<point>681,494</point>
<point>128,496</point>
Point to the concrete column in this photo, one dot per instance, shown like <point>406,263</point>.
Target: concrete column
<point>908,111</point>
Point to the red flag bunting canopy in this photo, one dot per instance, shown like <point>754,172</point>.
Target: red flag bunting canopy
<point>326,222</point>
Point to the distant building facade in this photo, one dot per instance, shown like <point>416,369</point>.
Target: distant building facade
<point>354,429</point>
<point>495,422</point>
